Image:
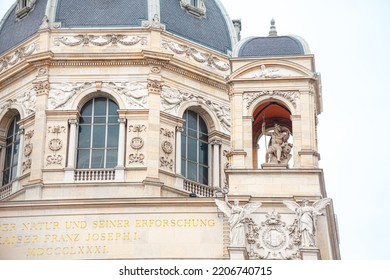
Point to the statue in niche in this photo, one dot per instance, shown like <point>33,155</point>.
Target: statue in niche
<point>279,150</point>
<point>307,219</point>
<point>237,215</point>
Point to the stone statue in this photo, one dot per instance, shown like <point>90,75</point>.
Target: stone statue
<point>279,150</point>
<point>307,219</point>
<point>236,215</point>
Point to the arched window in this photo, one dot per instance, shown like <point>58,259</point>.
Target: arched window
<point>11,151</point>
<point>98,134</point>
<point>194,149</point>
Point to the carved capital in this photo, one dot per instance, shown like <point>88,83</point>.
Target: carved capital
<point>216,142</point>
<point>73,122</point>
<point>122,120</point>
<point>180,129</point>
<point>155,86</point>
<point>42,87</point>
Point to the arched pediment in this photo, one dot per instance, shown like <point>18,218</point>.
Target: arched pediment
<point>271,69</point>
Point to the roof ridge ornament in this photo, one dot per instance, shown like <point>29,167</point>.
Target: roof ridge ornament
<point>272,31</point>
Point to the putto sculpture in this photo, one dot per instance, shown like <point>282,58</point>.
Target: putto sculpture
<point>237,215</point>
<point>307,219</point>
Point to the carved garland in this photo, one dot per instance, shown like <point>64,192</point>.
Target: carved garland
<point>291,96</point>
<point>188,51</point>
<point>167,148</point>
<point>55,145</point>
<point>18,56</point>
<point>99,41</point>
<point>28,148</point>
<point>137,143</point>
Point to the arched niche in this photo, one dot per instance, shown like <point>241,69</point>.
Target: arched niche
<point>269,112</point>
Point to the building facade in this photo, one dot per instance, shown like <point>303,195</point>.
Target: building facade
<point>128,128</point>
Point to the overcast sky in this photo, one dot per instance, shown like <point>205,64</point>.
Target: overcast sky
<point>351,43</point>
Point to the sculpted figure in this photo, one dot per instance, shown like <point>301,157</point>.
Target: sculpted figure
<point>236,215</point>
<point>279,150</point>
<point>307,218</point>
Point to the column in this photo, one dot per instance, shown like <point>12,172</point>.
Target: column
<point>121,142</point>
<point>179,130</point>
<point>216,162</point>
<point>20,155</point>
<point>72,143</point>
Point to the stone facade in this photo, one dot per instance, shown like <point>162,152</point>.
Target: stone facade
<point>144,207</point>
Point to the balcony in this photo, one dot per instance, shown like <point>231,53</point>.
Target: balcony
<point>94,175</point>
<point>198,189</point>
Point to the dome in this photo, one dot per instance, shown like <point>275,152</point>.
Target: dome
<point>207,24</point>
<point>272,45</point>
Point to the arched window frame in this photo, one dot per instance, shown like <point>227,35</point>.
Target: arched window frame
<point>11,148</point>
<point>195,143</point>
<point>93,123</point>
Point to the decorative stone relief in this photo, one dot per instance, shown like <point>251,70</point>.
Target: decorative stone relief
<point>155,22</point>
<point>272,239</point>
<point>45,22</point>
<point>18,56</point>
<point>137,143</point>
<point>60,95</point>
<point>237,215</point>
<point>307,219</point>
<point>55,145</point>
<point>25,100</point>
<point>99,41</point>
<point>292,96</point>
<point>204,58</point>
<point>167,148</point>
<point>135,93</point>
<point>27,151</point>
<point>171,99</point>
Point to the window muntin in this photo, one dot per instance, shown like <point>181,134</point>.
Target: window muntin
<point>11,152</point>
<point>195,149</point>
<point>98,135</point>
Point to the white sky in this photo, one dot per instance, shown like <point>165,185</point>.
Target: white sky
<point>351,43</point>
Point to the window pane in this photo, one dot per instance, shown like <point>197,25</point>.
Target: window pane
<point>99,120</point>
<point>183,167</point>
<point>86,120</point>
<point>99,136</point>
<point>202,126</point>
<point>97,159</point>
<point>6,176</point>
<point>100,106</point>
<point>203,175</point>
<point>84,136</point>
<point>192,120</point>
<point>87,109</point>
<point>192,172</point>
<point>203,153</point>
<point>192,150</point>
<point>112,108</point>
<point>183,146</point>
<point>83,159</point>
<point>193,133</point>
<point>112,136</point>
<point>15,153</point>
<point>112,158</point>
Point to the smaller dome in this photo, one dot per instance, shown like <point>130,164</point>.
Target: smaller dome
<point>273,45</point>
